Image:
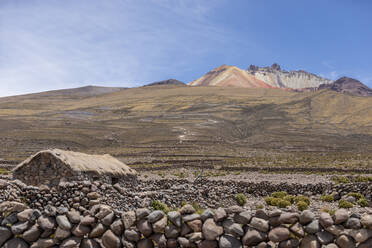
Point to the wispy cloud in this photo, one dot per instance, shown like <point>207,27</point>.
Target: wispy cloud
<point>58,44</point>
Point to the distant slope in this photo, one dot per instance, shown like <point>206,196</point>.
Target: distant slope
<point>276,77</point>
<point>348,85</point>
<point>167,82</point>
<point>161,121</point>
<point>230,76</point>
<point>85,91</point>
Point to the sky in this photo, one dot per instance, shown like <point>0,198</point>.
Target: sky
<point>55,44</point>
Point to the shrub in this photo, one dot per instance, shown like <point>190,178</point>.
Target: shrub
<point>284,203</point>
<point>199,210</point>
<point>269,200</point>
<point>301,205</point>
<point>280,194</point>
<point>344,204</point>
<point>302,198</point>
<point>340,179</point>
<point>157,205</point>
<point>363,202</point>
<point>240,199</point>
<point>327,198</point>
<point>357,196</point>
<point>259,206</point>
<point>289,198</point>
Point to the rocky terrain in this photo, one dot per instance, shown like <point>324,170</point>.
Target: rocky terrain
<point>84,214</point>
<point>167,82</point>
<point>277,77</point>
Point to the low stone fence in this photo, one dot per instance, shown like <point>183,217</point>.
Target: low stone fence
<point>233,227</point>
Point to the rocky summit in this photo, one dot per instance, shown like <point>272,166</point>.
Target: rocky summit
<point>349,86</point>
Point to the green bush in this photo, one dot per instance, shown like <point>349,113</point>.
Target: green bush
<point>157,205</point>
<point>357,196</point>
<point>363,202</point>
<point>301,205</point>
<point>284,203</point>
<point>269,200</point>
<point>259,206</point>
<point>302,198</point>
<point>280,194</point>
<point>344,204</point>
<point>327,198</point>
<point>240,199</point>
<point>289,198</point>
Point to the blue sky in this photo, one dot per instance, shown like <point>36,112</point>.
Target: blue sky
<point>52,44</point>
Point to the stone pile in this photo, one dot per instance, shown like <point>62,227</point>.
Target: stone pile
<point>206,193</point>
<point>232,227</point>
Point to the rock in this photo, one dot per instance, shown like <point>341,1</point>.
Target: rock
<point>184,242</point>
<point>324,237</point>
<point>159,240</point>
<point>344,241</point>
<point>175,218</point>
<point>336,230</point>
<point>187,209</point>
<point>366,244</point>
<point>185,229</point>
<point>103,211</point>
<point>145,243</point>
<point>63,222</point>
<point>132,235</point>
<point>190,217</point>
<point>46,222</point>
<point>129,219</point>
<point>208,213</point>
<point>341,215</point>
<point>142,213</point>
<point>89,243</point>
<point>227,241</point>
<point>306,217</point>
<point>234,209</point>
<point>253,237</point>
<point>243,217</point>
<point>108,219</point>
<point>331,246</point>
<point>290,243</point>
<point>3,184</point>
<point>288,218</point>
<point>117,227</point>
<point>50,210</point>
<point>350,199</point>
<point>5,234</point>
<point>309,241</point>
<point>97,231</point>
<point>298,230</point>
<point>87,220</point>
<point>353,223</point>
<point>232,228</point>
<point>261,214</point>
<point>360,235</point>
<point>208,244</point>
<point>25,215</point>
<point>159,226</point>
<point>194,237</point>
<point>11,207</point>
<point>259,224</point>
<point>279,234</point>
<point>172,243</point>
<point>43,243</point>
<point>195,225</point>
<point>80,230</point>
<point>61,234</point>
<point>19,227</point>
<point>210,230</point>
<point>325,220</point>
<point>109,239</point>
<point>155,216</point>
<point>144,227</point>
<point>93,196</point>
<point>171,231</point>
<point>313,227</point>
<point>219,215</point>
<point>31,235</point>
<point>73,216</point>
<point>15,243</point>
<point>72,242</point>
<point>367,221</point>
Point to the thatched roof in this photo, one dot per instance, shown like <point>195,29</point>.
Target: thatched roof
<point>77,161</point>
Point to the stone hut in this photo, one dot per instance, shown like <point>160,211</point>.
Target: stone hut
<point>50,167</point>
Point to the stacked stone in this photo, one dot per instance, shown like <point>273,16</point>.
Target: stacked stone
<point>102,226</point>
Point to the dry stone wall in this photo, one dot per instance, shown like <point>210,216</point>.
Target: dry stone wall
<point>233,227</point>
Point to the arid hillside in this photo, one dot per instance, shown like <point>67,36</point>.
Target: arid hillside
<point>162,123</point>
